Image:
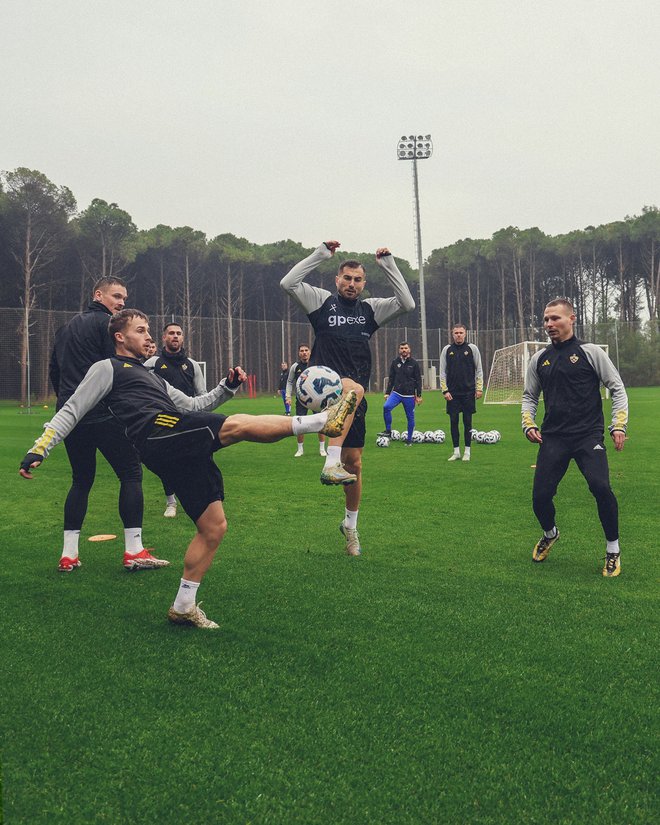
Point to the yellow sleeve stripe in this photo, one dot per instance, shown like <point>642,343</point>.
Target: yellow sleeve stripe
<point>42,444</point>
<point>528,421</point>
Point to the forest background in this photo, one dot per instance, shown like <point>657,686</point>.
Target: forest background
<point>51,253</point>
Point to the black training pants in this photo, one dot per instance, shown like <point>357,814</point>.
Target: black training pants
<point>81,445</point>
<point>555,454</point>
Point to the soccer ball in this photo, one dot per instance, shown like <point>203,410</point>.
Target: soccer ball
<point>439,436</point>
<point>479,437</point>
<point>317,387</point>
<point>429,437</point>
<point>382,441</point>
<point>395,435</point>
<point>417,437</point>
<point>489,438</point>
<point>473,433</point>
<point>497,434</point>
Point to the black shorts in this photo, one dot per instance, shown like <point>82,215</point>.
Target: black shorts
<point>463,403</point>
<point>181,455</point>
<point>356,435</point>
<point>301,409</point>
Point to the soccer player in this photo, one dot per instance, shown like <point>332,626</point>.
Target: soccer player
<point>293,374</point>
<point>175,439</point>
<point>461,382</point>
<point>78,345</point>
<point>404,386</point>
<point>343,323</point>
<point>282,382</point>
<point>569,372</point>
<point>181,372</point>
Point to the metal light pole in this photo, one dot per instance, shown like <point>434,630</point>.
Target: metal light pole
<point>414,148</point>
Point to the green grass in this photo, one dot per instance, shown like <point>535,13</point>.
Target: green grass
<point>440,678</point>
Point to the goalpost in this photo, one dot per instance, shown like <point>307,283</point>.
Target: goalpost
<point>507,373</point>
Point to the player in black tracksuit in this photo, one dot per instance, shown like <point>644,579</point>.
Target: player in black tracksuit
<point>461,382</point>
<point>175,439</point>
<point>569,372</point>
<point>343,323</point>
<point>293,374</point>
<point>174,366</point>
<point>78,345</point>
<point>281,386</point>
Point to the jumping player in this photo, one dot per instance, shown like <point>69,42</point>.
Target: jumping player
<point>176,440</point>
<point>569,372</point>
<point>343,323</point>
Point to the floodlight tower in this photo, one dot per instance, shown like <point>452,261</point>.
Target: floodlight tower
<point>414,148</point>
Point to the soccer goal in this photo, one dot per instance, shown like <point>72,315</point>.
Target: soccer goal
<point>507,372</point>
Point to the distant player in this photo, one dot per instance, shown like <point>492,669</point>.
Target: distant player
<point>78,345</point>
<point>461,382</point>
<point>569,372</point>
<point>282,382</point>
<point>174,365</point>
<point>404,386</point>
<point>293,374</point>
<point>175,440</point>
<point>343,323</point>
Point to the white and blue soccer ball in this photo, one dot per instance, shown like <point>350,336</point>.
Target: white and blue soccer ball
<point>318,387</point>
<point>382,441</point>
<point>439,436</point>
<point>417,437</point>
<point>429,437</point>
<point>497,434</point>
<point>490,438</point>
<point>395,435</point>
<point>479,437</point>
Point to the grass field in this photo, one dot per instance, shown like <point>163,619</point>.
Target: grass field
<point>440,678</point>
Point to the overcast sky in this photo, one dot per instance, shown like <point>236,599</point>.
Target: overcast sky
<point>276,120</point>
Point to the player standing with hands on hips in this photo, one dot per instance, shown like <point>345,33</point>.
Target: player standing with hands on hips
<point>569,372</point>
<point>461,382</point>
<point>343,323</point>
<point>404,386</point>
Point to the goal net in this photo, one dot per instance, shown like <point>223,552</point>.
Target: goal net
<point>507,372</point>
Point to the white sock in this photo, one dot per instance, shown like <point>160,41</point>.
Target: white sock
<point>466,451</point>
<point>301,448</point>
<point>457,450</point>
<point>185,598</point>
<point>303,424</point>
<point>171,500</point>
<point>350,519</point>
<point>334,456</point>
<point>550,534</point>
<point>613,547</point>
<point>133,540</point>
<point>70,544</point>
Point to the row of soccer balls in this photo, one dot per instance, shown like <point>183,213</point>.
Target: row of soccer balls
<point>435,437</point>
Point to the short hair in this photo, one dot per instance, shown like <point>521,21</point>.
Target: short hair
<point>120,320</point>
<point>300,346</point>
<point>108,280</point>
<point>459,326</point>
<point>563,302</point>
<point>404,344</point>
<point>351,264</point>
<point>172,324</point>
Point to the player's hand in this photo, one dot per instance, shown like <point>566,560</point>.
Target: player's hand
<point>448,396</point>
<point>235,377</point>
<point>288,399</point>
<point>30,461</point>
<point>419,399</point>
<point>619,440</point>
<point>382,252</point>
<point>331,246</point>
<point>386,396</point>
<point>534,435</point>
<point>478,394</point>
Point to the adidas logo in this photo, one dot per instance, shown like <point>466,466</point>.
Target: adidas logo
<point>599,447</point>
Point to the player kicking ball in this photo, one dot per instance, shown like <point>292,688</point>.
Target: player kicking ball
<point>176,436</point>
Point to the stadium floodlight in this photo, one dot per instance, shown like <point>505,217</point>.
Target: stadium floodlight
<point>414,148</point>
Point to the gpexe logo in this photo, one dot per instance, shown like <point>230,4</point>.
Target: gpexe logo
<point>340,320</point>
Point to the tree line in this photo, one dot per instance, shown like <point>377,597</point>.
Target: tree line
<point>51,254</point>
